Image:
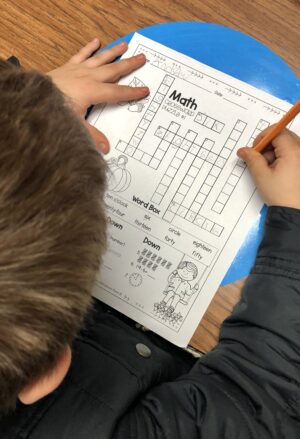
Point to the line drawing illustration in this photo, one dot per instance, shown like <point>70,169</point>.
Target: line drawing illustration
<point>179,290</point>
<point>119,178</point>
<point>136,106</point>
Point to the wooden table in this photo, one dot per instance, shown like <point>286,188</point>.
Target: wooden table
<point>44,33</point>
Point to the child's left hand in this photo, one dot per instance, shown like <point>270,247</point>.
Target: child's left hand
<point>91,80</point>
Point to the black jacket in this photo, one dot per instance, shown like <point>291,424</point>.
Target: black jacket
<point>247,387</point>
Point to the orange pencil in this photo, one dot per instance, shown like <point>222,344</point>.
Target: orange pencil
<point>278,127</point>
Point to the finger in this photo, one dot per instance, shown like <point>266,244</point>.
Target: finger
<point>286,144</point>
<point>114,71</point>
<point>108,55</point>
<point>100,140</point>
<point>85,52</point>
<point>256,164</point>
<point>112,93</point>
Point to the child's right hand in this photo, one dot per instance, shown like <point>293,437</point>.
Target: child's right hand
<point>276,172</point>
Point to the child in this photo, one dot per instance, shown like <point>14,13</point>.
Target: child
<point>115,381</point>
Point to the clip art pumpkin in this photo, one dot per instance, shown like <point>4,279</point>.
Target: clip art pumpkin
<point>119,177</point>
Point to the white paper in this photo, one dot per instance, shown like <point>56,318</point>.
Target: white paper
<point>179,202</point>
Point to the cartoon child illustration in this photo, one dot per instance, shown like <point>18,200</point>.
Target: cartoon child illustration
<point>179,287</point>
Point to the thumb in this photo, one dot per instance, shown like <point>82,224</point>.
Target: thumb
<point>256,164</point>
<point>99,138</point>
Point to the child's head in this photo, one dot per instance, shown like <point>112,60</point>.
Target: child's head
<point>187,270</point>
<point>52,227</point>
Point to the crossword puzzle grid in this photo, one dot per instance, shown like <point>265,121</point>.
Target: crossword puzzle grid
<point>236,173</point>
<point>209,151</point>
<point>132,147</point>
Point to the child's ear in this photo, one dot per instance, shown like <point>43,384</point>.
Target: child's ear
<point>49,382</point>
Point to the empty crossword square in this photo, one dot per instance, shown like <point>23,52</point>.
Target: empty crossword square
<point>171,171</point>
<point>218,207</point>
<point>130,150</point>
<point>256,133</point>
<point>174,127</point>
<point>188,180</point>
<point>163,89</point>
<point>164,145</point>
<point>227,189</point>
<point>195,207</point>
<point>121,145</point>
<point>217,148</point>
<point>198,162</point>
<point>208,144</point>
<point>238,170</point>
<point>146,158</point>
<point>193,171</point>
<point>215,171</point>
<point>162,189</point>
<point>225,153</point>
<point>138,154</point>
<point>149,115</point>
<point>144,123</point>
<point>211,158</point>
<point>159,154</point>
<point>158,98</point>
<point>191,135</point>
<point>157,198</point>
<point>220,162</point>
<point>210,179</point>
<point>173,207</point>
<point>205,188</point>
<point>240,125</point>
<point>169,136</point>
<point>209,121</point>
<point>207,225</point>
<point>222,198</point>
<point>241,163</point>
<point>190,216</point>
<point>183,189</point>
<point>200,198</point>
<point>154,163</point>
<point>199,220</point>
<point>217,229</point>
<point>230,144</point>
<point>154,106</point>
<point>176,162</point>
<point>235,135</point>
<point>178,198</point>
<point>186,144</point>
<point>166,180</point>
<point>182,211</point>
<point>233,179</point>
<point>180,154</point>
<point>168,80</point>
<point>262,124</point>
<point>194,149</point>
<point>169,216</point>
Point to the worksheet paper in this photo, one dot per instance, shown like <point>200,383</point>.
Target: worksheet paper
<point>179,201</point>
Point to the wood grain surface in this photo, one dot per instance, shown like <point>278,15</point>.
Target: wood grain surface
<point>45,33</point>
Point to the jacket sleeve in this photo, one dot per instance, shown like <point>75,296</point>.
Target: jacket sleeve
<point>249,385</point>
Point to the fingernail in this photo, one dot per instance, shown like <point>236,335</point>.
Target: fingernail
<point>123,44</point>
<point>145,90</point>
<point>141,56</point>
<point>95,40</point>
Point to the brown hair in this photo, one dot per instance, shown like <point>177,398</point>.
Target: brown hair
<point>52,226</point>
